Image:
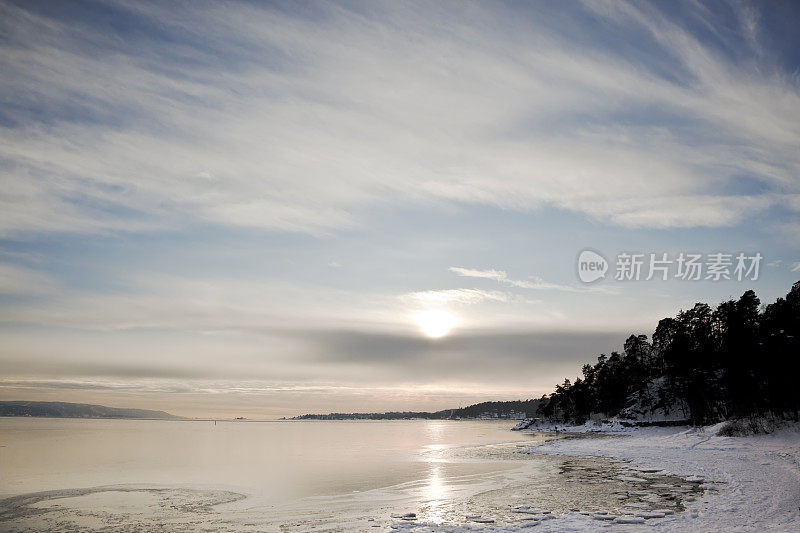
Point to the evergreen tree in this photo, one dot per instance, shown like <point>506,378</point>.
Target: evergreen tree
<point>735,360</point>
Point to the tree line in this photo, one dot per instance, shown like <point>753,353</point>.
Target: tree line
<point>503,409</point>
<point>736,360</point>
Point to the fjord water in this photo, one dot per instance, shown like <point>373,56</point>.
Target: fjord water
<point>144,475</point>
<point>270,462</point>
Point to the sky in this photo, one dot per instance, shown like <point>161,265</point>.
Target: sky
<point>265,209</point>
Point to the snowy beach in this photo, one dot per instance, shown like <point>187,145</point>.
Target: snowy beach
<point>748,483</point>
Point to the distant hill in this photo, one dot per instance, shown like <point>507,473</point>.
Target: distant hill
<point>513,410</point>
<point>78,410</point>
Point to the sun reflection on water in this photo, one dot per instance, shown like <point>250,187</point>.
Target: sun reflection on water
<point>435,494</point>
<point>434,453</point>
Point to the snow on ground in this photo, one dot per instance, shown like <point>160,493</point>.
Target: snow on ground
<point>753,483</point>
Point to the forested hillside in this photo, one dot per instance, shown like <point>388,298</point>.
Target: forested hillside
<point>703,365</point>
<point>512,409</point>
<point>77,410</point>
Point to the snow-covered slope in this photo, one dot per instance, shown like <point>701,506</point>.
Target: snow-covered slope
<point>655,403</point>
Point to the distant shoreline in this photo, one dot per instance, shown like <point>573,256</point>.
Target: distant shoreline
<point>263,420</point>
<point>51,417</point>
<point>32,409</point>
<point>498,410</point>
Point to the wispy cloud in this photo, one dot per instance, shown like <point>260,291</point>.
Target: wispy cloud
<point>501,276</point>
<point>460,296</point>
<point>497,275</point>
<point>17,280</point>
<point>260,118</point>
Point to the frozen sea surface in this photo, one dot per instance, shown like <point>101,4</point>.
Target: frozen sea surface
<point>323,476</point>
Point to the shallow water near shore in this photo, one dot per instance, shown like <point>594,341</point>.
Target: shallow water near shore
<point>309,475</point>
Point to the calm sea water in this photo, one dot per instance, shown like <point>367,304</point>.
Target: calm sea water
<point>101,475</point>
<point>270,461</point>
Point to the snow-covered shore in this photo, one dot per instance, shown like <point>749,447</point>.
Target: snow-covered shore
<point>753,483</point>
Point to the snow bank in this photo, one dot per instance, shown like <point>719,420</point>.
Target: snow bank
<point>751,483</point>
<point>750,426</point>
<point>760,473</point>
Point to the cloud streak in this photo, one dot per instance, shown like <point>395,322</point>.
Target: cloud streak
<point>458,296</point>
<point>273,120</point>
<point>535,283</point>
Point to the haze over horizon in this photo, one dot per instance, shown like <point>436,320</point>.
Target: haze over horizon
<point>269,209</point>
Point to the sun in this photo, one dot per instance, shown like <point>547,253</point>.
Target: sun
<point>435,323</point>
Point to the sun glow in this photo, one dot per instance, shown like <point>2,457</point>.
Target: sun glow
<point>435,323</point>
